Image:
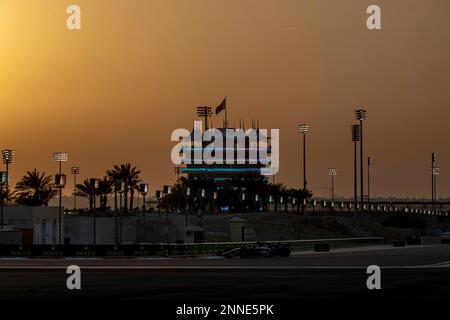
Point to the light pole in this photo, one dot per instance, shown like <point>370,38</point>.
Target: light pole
<point>8,158</point>
<point>94,187</point>
<point>214,201</point>
<point>434,174</point>
<point>75,171</point>
<point>60,157</point>
<point>143,189</point>
<point>3,179</point>
<point>303,129</point>
<point>204,112</point>
<point>355,139</point>
<point>167,190</point>
<point>119,187</point>
<point>369,163</point>
<point>158,195</point>
<point>361,116</point>
<point>202,195</point>
<point>332,172</point>
<point>60,182</point>
<point>186,209</point>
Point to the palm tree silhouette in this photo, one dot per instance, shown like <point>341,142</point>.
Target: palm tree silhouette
<point>104,189</point>
<point>196,184</point>
<point>129,175</point>
<point>86,190</point>
<point>7,195</point>
<point>277,190</point>
<point>35,189</point>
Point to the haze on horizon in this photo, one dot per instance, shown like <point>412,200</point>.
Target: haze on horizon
<point>114,91</point>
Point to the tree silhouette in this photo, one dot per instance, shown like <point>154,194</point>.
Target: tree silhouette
<point>104,189</point>
<point>277,191</point>
<point>86,190</point>
<point>129,175</point>
<point>35,189</point>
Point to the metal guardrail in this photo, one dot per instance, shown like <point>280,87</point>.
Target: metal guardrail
<point>148,250</point>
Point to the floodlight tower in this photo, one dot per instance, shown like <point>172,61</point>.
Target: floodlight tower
<point>3,179</point>
<point>332,172</point>
<point>355,139</point>
<point>143,189</point>
<point>369,164</point>
<point>303,129</point>
<point>119,187</point>
<point>434,174</point>
<point>94,184</point>
<point>60,157</point>
<point>361,116</point>
<point>75,171</point>
<point>8,158</point>
<point>204,112</point>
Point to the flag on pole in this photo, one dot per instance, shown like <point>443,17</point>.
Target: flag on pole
<point>222,106</point>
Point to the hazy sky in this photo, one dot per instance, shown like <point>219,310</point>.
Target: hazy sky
<point>114,91</point>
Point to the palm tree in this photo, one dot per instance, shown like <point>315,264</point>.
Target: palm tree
<point>299,195</point>
<point>104,189</point>
<point>292,195</point>
<point>6,195</point>
<point>176,200</point>
<point>86,190</point>
<point>255,184</point>
<point>129,175</point>
<point>133,183</point>
<point>35,189</point>
<point>196,184</point>
<point>277,190</point>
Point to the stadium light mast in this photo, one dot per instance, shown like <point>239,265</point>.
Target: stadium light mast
<point>361,116</point>
<point>355,139</point>
<point>3,176</point>
<point>119,187</point>
<point>303,129</point>
<point>75,171</point>
<point>8,158</point>
<point>143,189</point>
<point>94,184</point>
<point>332,172</point>
<point>60,157</point>
<point>369,163</point>
<point>204,112</point>
<point>434,173</point>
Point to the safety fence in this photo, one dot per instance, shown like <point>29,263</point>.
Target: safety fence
<point>150,250</point>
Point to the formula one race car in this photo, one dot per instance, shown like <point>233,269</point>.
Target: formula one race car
<point>259,249</point>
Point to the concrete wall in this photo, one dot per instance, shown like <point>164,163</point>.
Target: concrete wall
<point>43,221</point>
<point>80,229</point>
<point>10,237</point>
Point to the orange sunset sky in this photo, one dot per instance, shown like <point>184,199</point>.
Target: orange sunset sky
<point>114,91</point>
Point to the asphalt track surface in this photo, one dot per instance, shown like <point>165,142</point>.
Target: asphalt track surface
<point>421,272</point>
